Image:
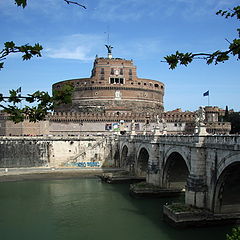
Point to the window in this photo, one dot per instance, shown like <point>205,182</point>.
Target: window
<point>112,71</point>
<point>156,85</point>
<point>121,71</point>
<point>102,70</point>
<point>130,71</point>
<point>116,80</point>
<point>130,77</point>
<point>102,77</point>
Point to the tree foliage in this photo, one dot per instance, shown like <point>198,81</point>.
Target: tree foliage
<point>216,57</point>
<point>234,119</point>
<point>26,50</point>
<point>235,235</point>
<point>43,103</point>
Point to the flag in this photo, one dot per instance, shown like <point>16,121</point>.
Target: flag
<point>19,90</point>
<point>206,93</point>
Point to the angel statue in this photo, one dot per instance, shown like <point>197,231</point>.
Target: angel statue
<point>109,48</point>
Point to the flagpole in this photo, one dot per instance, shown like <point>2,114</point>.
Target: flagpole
<point>207,94</point>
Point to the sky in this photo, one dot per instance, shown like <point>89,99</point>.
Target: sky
<point>142,30</point>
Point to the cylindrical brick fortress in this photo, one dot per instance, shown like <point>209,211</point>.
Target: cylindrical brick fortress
<point>114,87</point>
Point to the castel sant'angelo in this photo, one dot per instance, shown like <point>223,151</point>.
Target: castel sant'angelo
<point>114,88</point>
<point>114,99</point>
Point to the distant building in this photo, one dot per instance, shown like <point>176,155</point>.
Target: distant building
<point>109,101</point>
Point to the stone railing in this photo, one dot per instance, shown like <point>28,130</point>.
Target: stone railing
<point>219,140</point>
<point>223,140</point>
<point>179,139</point>
<point>50,138</point>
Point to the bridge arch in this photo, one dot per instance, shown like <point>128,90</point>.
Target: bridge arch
<point>142,161</point>
<point>176,170</point>
<point>227,189</point>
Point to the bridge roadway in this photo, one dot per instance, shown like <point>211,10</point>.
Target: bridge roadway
<point>207,167</point>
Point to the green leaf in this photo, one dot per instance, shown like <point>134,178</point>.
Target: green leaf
<point>10,45</point>
<point>22,3</point>
<point>13,97</point>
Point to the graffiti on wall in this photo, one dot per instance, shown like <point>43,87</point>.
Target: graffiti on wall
<point>84,164</point>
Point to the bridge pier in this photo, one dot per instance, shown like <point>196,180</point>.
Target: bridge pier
<point>195,194</point>
<point>196,187</point>
<point>153,175</point>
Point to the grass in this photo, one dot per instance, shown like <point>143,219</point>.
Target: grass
<point>180,207</point>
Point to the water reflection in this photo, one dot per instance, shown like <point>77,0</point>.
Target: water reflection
<point>85,209</point>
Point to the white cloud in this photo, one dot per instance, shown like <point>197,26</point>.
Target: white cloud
<point>85,47</point>
<point>78,46</point>
<point>111,10</point>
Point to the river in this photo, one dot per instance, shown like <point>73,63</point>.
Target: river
<point>86,209</point>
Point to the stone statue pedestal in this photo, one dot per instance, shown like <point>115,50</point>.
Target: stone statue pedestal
<point>202,130</point>
<point>164,132</point>
<point>196,130</point>
<point>156,131</point>
<point>133,134</point>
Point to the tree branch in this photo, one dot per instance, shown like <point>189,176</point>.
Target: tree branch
<point>23,3</point>
<point>27,50</point>
<point>71,2</point>
<point>216,57</point>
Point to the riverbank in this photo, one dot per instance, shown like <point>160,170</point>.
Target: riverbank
<point>21,174</point>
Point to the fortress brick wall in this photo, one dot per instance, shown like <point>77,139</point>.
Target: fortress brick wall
<point>114,87</point>
<point>57,151</point>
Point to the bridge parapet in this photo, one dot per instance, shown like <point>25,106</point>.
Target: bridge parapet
<point>232,141</point>
<point>180,139</point>
<point>221,141</point>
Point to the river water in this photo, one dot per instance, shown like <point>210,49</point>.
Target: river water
<point>86,209</point>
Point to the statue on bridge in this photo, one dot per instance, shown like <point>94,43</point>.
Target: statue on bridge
<point>200,127</point>
<point>164,126</point>
<point>201,114</point>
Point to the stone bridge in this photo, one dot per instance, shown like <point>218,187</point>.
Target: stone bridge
<point>206,167</point>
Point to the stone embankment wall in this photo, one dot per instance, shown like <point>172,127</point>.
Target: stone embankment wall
<point>84,152</point>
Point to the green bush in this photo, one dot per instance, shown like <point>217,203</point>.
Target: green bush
<point>235,235</point>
